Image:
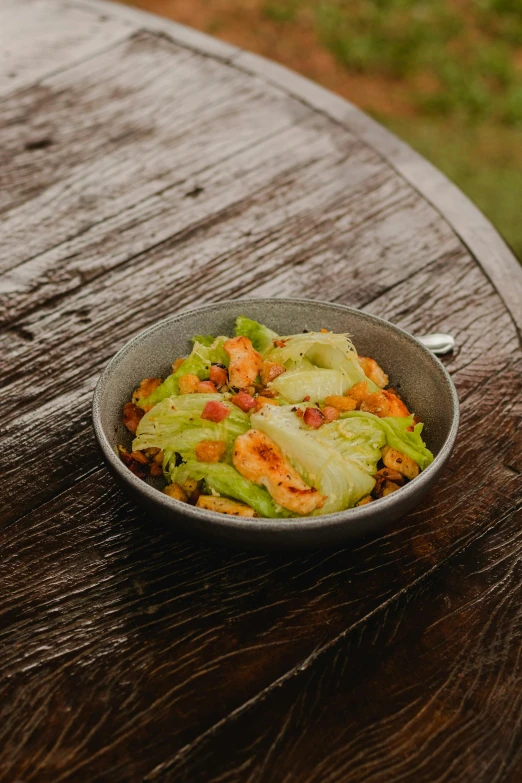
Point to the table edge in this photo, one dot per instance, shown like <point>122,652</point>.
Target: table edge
<point>471,226</point>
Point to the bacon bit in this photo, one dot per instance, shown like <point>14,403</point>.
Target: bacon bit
<point>261,401</point>
<point>146,387</point>
<point>215,411</point>
<point>244,401</point>
<point>135,461</point>
<point>143,463</point>
<point>218,374</point>
<point>307,398</point>
<point>271,370</point>
<point>313,418</point>
<point>299,412</point>
<point>330,413</point>
<point>176,492</point>
<point>188,384</point>
<point>341,403</point>
<point>280,343</point>
<point>132,416</point>
<point>210,450</point>
<point>177,364</point>
<point>206,387</point>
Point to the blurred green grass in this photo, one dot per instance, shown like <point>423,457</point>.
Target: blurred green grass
<point>458,65</point>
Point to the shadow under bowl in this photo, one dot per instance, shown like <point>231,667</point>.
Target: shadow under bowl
<point>414,371</point>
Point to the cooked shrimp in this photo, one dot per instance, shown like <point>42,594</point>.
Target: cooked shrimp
<point>245,362</point>
<point>260,460</point>
<point>396,460</point>
<point>383,403</point>
<point>373,371</point>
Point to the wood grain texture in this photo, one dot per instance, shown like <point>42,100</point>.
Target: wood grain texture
<point>453,715</point>
<point>38,37</point>
<point>299,199</point>
<point>128,653</point>
<point>168,637</point>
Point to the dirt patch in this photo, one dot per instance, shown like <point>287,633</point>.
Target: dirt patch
<point>296,46</point>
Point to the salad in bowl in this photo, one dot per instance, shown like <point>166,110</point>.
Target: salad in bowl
<point>259,424</point>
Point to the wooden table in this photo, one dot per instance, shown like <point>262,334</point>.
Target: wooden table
<point>146,169</point>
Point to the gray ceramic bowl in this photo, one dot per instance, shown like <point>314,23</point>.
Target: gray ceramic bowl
<point>420,378</point>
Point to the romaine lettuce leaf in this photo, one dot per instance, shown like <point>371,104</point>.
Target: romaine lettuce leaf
<point>172,424</point>
<point>203,339</point>
<point>358,440</point>
<point>197,363</point>
<point>260,336</point>
<point>324,349</point>
<point>225,480</point>
<point>316,383</point>
<point>319,463</point>
<point>395,430</point>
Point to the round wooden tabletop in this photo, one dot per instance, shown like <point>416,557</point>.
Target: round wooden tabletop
<point>147,168</point>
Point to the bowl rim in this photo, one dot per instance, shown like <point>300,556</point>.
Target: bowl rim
<point>265,524</point>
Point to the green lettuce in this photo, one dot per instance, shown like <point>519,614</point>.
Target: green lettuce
<point>316,383</point>
<point>197,363</point>
<point>325,350</point>
<point>225,480</point>
<point>203,339</point>
<point>319,462</point>
<point>397,436</point>
<point>260,336</point>
<point>359,440</point>
<point>175,425</point>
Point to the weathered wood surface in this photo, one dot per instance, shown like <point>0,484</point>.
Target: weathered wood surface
<point>146,172</point>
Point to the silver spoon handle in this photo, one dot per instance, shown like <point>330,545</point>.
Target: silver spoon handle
<point>438,343</point>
